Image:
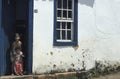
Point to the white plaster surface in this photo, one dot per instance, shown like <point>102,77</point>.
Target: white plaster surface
<point>98,36</point>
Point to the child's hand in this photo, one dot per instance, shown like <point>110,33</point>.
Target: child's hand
<point>23,56</point>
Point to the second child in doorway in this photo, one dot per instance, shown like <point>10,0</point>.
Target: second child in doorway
<point>18,67</point>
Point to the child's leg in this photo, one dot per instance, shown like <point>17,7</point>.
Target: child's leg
<point>12,68</point>
<point>16,68</point>
<point>21,68</point>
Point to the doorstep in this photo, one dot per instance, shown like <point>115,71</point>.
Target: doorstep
<point>43,76</point>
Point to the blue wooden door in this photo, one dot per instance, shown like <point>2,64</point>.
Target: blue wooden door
<point>0,32</point>
<point>7,20</point>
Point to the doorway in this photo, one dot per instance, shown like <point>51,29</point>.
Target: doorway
<point>17,17</point>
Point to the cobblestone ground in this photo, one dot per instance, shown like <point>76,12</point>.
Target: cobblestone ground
<point>111,76</point>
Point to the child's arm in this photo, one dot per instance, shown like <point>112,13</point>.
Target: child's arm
<point>22,54</point>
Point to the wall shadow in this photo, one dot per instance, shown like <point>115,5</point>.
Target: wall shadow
<point>89,3</point>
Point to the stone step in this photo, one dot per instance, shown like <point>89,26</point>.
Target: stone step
<point>44,76</point>
<point>17,77</point>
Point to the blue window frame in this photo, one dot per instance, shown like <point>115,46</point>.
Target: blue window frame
<point>65,23</point>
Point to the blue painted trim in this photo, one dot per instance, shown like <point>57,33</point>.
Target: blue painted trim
<point>76,22</point>
<point>2,61</point>
<point>75,40</point>
<point>2,53</point>
<point>55,16</point>
<point>65,44</point>
<point>1,40</point>
<point>30,37</point>
<point>0,12</point>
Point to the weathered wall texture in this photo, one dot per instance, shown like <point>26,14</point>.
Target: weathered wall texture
<point>98,36</point>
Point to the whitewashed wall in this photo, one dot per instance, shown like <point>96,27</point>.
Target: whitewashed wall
<point>107,31</point>
<point>98,36</point>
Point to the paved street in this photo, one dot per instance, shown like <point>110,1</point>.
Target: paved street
<point>111,76</point>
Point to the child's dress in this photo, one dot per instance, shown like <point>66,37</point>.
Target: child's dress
<point>18,67</point>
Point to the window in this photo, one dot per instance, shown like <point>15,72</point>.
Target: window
<point>65,22</point>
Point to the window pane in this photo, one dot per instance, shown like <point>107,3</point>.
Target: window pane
<point>58,34</point>
<point>69,35</point>
<point>63,34</point>
<point>59,3</point>
<point>58,13</point>
<point>58,25</point>
<point>64,14</point>
<point>69,4</point>
<point>69,14</point>
<point>63,25</point>
<point>64,4</point>
<point>68,25</point>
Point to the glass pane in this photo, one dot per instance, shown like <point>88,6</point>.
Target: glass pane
<point>58,34</point>
<point>69,14</point>
<point>63,34</point>
<point>59,3</point>
<point>69,4</point>
<point>58,25</point>
<point>69,35</point>
<point>68,25</point>
<point>59,13</point>
<point>63,25</point>
<point>64,4</point>
<point>64,14</point>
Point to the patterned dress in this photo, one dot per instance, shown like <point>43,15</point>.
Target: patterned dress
<point>18,67</point>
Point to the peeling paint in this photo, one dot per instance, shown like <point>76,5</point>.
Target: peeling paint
<point>54,66</point>
<point>75,47</point>
<point>51,53</point>
<point>72,65</point>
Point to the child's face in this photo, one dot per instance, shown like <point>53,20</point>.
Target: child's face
<point>18,51</point>
<point>17,39</point>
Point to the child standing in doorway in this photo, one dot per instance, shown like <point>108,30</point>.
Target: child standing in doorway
<point>18,66</point>
<point>16,49</point>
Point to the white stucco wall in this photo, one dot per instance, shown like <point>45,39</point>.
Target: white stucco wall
<point>98,36</point>
<point>107,31</point>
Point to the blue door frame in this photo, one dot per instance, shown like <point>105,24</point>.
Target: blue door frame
<point>30,37</point>
<point>1,41</point>
<point>30,40</point>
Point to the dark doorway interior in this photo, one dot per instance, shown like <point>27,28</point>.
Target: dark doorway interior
<point>15,20</point>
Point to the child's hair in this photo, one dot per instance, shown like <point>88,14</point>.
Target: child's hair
<point>17,36</point>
